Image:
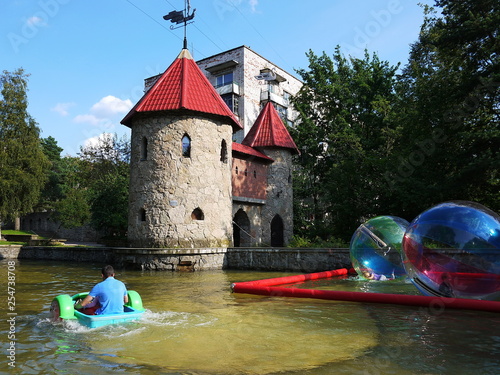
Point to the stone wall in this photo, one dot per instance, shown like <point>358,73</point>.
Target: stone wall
<point>9,251</point>
<point>42,223</point>
<point>288,259</point>
<point>70,254</point>
<point>265,259</point>
<point>172,259</point>
<point>167,188</point>
<point>279,196</point>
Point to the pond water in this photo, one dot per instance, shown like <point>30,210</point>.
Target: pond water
<point>194,325</point>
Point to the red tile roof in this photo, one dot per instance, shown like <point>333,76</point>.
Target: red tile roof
<point>183,86</point>
<point>246,150</point>
<point>269,131</point>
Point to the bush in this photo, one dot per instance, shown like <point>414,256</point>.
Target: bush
<point>298,241</point>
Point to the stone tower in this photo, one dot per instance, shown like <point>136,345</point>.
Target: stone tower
<point>270,136</point>
<point>180,179</point>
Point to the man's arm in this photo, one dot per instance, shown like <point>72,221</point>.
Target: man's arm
<point>125,298</point>
<point>85,302</point>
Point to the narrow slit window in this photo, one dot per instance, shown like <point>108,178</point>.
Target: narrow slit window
<point>186,146</point>
<point>144,148</point>
<point>223,151</point>
<point>142,214</point>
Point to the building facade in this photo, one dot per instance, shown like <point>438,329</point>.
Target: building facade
<point>211,161</point>
<point>246,81</point>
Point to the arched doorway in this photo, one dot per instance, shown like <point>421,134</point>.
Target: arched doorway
<point>277,237</point>
<point>241,229</point>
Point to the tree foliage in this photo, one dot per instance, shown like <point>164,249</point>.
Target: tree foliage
<point>95,187</point>
<point>374,142</point>
<point>345,134</point>
<point>449,112</point>
<point>52,191</point>
<point>23,165</point>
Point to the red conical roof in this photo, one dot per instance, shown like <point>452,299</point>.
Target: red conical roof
<point>269,131</point>
<point>183,86</point>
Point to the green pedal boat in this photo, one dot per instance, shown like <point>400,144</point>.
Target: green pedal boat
<point>62,308</point>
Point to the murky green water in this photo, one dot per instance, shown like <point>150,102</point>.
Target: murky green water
<point>195,325</point>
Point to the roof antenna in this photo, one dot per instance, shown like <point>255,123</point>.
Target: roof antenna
<point>179,17</point>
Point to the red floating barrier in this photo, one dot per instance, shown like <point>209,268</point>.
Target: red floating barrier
<point>267,287</point>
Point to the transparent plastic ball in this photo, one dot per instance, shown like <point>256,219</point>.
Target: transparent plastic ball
<point>376,248</point>
<point>453,250</point>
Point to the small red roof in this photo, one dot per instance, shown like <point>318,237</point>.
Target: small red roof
<point>246,150</point>
<point>269,131</point>
<point>183,86</point>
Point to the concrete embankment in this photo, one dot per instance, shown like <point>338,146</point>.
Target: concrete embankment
<point>266,259</point>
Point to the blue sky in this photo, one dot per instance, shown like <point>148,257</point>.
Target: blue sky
<point>88,59</point>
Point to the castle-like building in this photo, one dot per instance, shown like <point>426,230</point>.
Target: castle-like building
<point>211,161</point>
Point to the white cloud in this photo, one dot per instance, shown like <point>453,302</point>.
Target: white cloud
<point>253,5</point>
<point>35,21</point>
<point>109,106</point>
<point>88,119</point>
<point>103,112</point>
<point>62,108</point>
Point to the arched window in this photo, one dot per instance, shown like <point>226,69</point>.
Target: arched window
<point>197,214</point>
<point>223,151</point>
<point>277,232</point>
<point>186,146</point>
<point>241,229</point>
<point>144,148</point>
<point>236,169</point>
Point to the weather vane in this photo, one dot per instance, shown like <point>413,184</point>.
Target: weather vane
<point>178,17</point>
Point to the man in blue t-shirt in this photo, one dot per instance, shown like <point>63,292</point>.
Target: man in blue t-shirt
<point>110,295</point>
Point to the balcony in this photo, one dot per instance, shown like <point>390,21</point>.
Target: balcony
<point>232,88</point>
<point>266,94</point>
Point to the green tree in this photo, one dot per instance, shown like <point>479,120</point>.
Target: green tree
<point>23,165</point>
<point>52,191</point>
<point>346,133</point>
<point>72,208</point>
<point>449,110</point>
<point>105,169</point>
<point>95,186</point>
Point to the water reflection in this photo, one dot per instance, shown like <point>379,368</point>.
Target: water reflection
<point>195,325</point>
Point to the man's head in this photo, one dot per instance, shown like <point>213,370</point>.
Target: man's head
<point>107,271</point>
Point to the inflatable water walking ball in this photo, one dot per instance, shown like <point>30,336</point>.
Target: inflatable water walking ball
<point>376,248</point>
<point>453,250</point>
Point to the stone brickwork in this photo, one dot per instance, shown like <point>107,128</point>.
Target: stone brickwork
<point>279,196</point>
<point>263,259</point>
<point>173,259</point>
<point>248,218</point>
<point>289,259</point>
<point>42,223</point>
<point>169,189</point>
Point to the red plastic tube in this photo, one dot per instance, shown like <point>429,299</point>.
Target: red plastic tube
<point>267,288</point>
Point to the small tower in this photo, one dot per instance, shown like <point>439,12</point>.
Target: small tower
<point>270,136</point>
<point>180,179</point>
